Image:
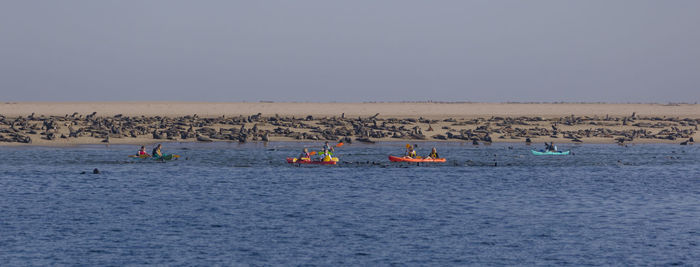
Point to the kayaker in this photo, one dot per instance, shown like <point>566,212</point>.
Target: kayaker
<point>326,157</point>
<point>142,152</point>
<point>433,154</point>
<point>327,151</point>
<point>156,151</point>
<point>305,155</point>
<point>410,152</point>
<point>327,147</point>
<point>552,147</point>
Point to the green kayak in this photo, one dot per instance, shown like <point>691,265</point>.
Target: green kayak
<point>541,153</point>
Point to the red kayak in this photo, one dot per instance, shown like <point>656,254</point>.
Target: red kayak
<point>409,159</point>
<point>294,160</point>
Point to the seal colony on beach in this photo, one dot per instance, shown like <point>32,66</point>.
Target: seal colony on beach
<point>92,128</point>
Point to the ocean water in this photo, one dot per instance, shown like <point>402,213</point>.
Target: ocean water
<point>242,204</point>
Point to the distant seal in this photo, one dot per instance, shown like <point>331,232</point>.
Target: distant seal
<point>690,141</point>
<point>203,139</point>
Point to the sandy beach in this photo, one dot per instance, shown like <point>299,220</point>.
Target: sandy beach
<point>66,123</point>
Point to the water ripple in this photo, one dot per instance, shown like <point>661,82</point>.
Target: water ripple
<point>229,203</point>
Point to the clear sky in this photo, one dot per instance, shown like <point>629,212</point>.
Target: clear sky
<point>360,50</point>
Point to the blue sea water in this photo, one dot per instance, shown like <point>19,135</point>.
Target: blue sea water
<point>231,204</point>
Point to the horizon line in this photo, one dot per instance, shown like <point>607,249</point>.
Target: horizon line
<point>670,103</point>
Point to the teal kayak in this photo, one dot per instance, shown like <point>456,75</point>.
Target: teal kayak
<point>164,157</point>
<point>540,153</point>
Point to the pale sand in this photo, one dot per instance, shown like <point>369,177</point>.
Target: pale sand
<point>426,110</point>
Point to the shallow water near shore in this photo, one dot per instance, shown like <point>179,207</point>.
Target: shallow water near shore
<point>228,203</point>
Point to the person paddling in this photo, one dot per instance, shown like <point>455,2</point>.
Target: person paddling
<point>156,151</point>
<point>433,154</point>
<point>142,152</point>
<point>327,151</point>
<point>410,152</point>
<point>305,155</point>
<point>327,148</point>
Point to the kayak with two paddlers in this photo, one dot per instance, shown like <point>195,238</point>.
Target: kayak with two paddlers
<point>411,156</point>
<point>326,156</point>
<point>549,149</point>
<point>164,157</point>
<point>410,159</point>
<point>156,155</point>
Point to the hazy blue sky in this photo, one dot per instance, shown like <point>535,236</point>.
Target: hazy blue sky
<point>614,51</point>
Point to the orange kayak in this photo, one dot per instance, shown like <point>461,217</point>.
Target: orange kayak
<point>408,159</point>
<point>294,160</point>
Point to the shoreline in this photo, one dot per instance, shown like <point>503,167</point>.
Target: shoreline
<point>535,143</point>
<point>142,123</point>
